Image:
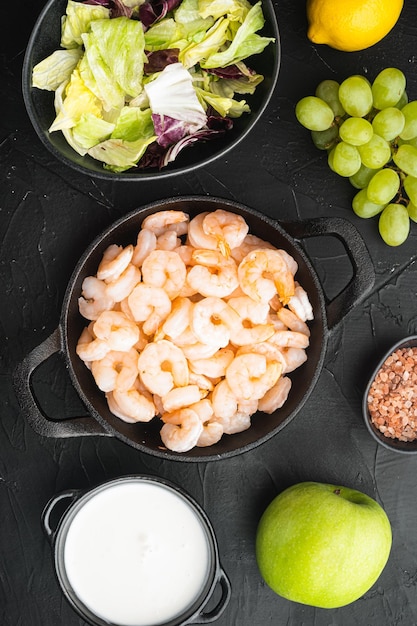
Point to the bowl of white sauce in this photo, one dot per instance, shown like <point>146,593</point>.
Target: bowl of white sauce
<point>136,551</point>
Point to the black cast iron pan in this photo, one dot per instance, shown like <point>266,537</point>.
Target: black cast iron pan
<point>145,437</point>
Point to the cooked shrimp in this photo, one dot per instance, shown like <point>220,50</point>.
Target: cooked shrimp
<point>212,274</point>
<point>250,242</point>
<point>270,351</point>
<point>294,358</point>
<point>145,243</point>
<point>253,326</point>
<point>181,430</point>
<point>251,375</point>
<point>116,370</point>
<point>89,348</point>
<point>276,396</point>
<point>168,241</point>
<point>164,269</point>
<point>135,403</point>
<point>292,321</point>
<point>212,321</point>
<point>212,433</point>
<point>117,329</point>
<point>215,366</point>
<point>197,238</point>
<point>161,221</point>
<point>263,273</point>
<point>180,397</point>
<point>179,318</point>
<point>289,339</point>
<point>115,260</point>
<point>236,423</point>
<point>203,382</point>
<point>199,350</point>
<point>150,305</point>
<point>223,400</point>
<point>186,253</point>
<point>228,228</point>
<point>94,298</point>
<point>162,365</point>
<point>121,287</point>
<point>300,304</point>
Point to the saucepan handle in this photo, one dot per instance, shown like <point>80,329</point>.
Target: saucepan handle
<point>46,518</point>
<point>363,278</point>
<point>211,616</point>
<point>37,418</point>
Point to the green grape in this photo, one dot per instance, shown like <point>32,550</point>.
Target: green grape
<point>406,159</point>
<point>356,131</point>
<point>363,207</point>
<point>410,114</point>
<point>355,95</point>
<point>361,178</point>
<point>330,158</point>
<point>346,159</point>
<point>412,211</point>
<point>328,90</point>
<point>325,139</point>
<point>313,113</point>
<point>410,186</point>
<point>383,186</point>
<point>394,224</point>
<point>402,101</point>
<point>376,153</point>
<point>389,123</point>
<point>388,87</point>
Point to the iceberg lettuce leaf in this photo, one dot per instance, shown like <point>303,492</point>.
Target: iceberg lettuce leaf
<point>119,155</point>
<point>77,20</point>
<point>121,43</point>
<point>190,20</point>
<point>72,101</point>
<point>106,87</point>
<point>225,106</point>
<point>245,43</point>
<point>49,73</point>
<point>133,123</point>
<point>235,10</point>
<point>215,37</point>
<point>163,35</point>
<point>91,130</point>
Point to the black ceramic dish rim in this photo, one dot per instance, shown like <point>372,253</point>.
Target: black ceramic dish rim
<point>130,176</point>
<point>395,445</point>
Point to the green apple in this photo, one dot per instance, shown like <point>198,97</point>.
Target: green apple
<point>322,545</point>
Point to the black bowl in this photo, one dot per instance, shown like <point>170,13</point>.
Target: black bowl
<point>45,39</point>
<point>405,447</point>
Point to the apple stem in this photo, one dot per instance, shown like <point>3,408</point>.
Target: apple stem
<point>337,492</point>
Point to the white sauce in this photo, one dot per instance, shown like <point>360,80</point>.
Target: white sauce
<point>136,554</point>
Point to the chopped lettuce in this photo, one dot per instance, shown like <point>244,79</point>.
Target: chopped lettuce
<point>137,81</point>
<point>77,20</point>
<point>55,69</point>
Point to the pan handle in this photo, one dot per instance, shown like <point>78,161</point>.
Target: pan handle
<point>40,422</point>
<point>363,278</point>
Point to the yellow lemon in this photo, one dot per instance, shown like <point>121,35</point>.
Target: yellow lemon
<point>351,25</point>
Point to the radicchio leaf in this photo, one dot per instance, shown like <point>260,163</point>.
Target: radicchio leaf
<point>154,10</point>
<point>170,130</point>
<point>159,59</point>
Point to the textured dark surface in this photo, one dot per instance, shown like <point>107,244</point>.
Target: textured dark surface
<point>49,215</point>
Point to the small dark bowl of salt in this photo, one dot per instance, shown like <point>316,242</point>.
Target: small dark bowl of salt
<point>390,399</point>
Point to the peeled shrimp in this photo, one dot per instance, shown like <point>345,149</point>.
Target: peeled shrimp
<point>164,269</point>
<point>94,298</point>
<point>224,401</point>
<point>197,237</point>
<point>145,243</point>
<point>292,321</point>
<point>215,366</point>
<point>251,375</point>
<point>276,396</point>
<point>300,304</point>
<point>180,397</point>
<point>229,229</point>
<point>161,221</point>
<point>89,348</point>
<point>212,321</point>
<point>121,287</point>
<point>289,339</point>
<point>250,242</point>
<point>115,260</point>
<point>118,330</point>
<point>178,319</point>
<point>212,433</point>
<point>264,273</point>
<point>294,358</point>
<point>181,429</point>
<point>212,274</point>
<point>162,365</point>
<point>116,370</point>
<point>150,305</point>
<point>253,326</point>
<point>168,241</point>
<point>134,403</point>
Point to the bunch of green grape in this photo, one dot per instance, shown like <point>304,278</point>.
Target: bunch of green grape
<point>370,133</point>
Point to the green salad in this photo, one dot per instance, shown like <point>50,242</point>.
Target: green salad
<point>136,82</point>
